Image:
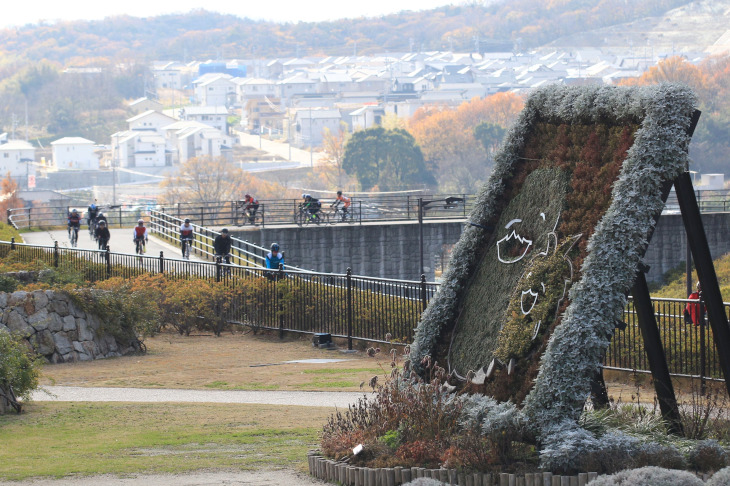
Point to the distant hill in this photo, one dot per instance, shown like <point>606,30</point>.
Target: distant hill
<point>204,35</point>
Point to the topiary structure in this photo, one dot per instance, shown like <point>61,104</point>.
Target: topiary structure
<point>577,184</point>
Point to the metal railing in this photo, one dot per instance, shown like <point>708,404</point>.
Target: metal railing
<point>708,201</point>
<point>344,305</point>
<point>50,216</point>
<point>367,308</point>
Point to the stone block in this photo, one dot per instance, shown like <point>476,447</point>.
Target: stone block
<point>55,323</point>
<point>78,347</point>
<point>40,299</point>
<point>17,298</point>
<point>18,325</point>
<point>43,342</point>
<point>69,323</point>
<point>63,344</point>
<point>85,334</point>
<point>3,300</point>
<point>60,307</point>
<point>40,320</point>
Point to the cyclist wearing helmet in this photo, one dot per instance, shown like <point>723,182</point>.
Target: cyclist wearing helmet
<point>222,246</point>
<point>101,217</point>
<point>187,235</point>
<point>273,259</point>
<point>251,206</point>
<point>140,234</point>
<point>345,203</point>
<point>74,221</point>
<point>312,206</point>
<point>102,235</point>
<point>91,213</point>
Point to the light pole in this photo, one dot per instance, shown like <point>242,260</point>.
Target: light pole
<point>449,203</point>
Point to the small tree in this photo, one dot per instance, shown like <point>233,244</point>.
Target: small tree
<point>19,372</point>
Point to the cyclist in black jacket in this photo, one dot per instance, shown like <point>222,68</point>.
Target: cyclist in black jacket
<point>102,235</point>
<point>222,246</point>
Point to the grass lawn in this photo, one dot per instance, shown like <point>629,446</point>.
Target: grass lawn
<point>59,438</point>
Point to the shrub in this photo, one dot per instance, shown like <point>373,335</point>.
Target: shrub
<point>8,284</point>
<point>648,476</point>
<point>19,371</point>
<point>720,478</point>
<point>707,455</point>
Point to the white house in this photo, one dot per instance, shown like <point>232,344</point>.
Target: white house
<point>141,105</point>
<point>17,157</point>
<point>74,153</point>
<point>310,125</point>
<point>255,88</point>
<point>214,116</point>
<point>150,121</point>
<point>188,139</point>
<point>132,148</point>
<point>215,89</point>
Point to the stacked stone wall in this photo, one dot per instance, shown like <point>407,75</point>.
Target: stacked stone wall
<point>56,328</point>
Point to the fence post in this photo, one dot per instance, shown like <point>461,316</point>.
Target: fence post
<point>349,308</point>
<point>424,302</point>
<point>108,257</point>
<point>218,269</point>
<point>178,210</point>
<point>202,217</point>
<point>8,213</point>
<point>162,262</point>
<point>703,347</point>
<point>280,299</point>
<point>12,243</point>
<point>55,254</point>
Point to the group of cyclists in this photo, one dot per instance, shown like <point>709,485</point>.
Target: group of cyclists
<point>99,228</point>
<point>311,206</point>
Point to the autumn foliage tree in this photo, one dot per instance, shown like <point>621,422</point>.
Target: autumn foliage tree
<point>459,160</point>
<point>8,194</point>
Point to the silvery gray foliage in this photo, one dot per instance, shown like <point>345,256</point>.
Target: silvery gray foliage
<point>424,482</point>
<point>720,478</point>
<point>648,476</point>
<point>708,455</point>
<point>658,155</point>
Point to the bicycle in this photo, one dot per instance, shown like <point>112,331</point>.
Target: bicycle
<point>186,244</point>
<point>225,268</point>
<point>92,228</point>
<point>339,215</point>
<point>139,247</point>
<point>250,217</point>
<point>74,235</point>
<point>103,242</point>
<point>304,216</point>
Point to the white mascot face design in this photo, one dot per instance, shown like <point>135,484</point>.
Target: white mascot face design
<point>509,241</point>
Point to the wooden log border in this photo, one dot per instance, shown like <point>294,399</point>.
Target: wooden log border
<point>340,472</point>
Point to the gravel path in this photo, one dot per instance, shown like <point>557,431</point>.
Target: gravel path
<point>92,394</point>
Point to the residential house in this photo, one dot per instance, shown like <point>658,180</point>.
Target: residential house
<point>133,148</point>
<point>310,124</point>
<point>141,105</point>
<point>75,153</point>
<point>297,84</point>
<point>16,158</point>
<point>366,117</point>
<point>172,75</point>
<point>214,116</point>
<point>263,113</point>
<point>254,88</point>
<point>150,121</point>
<point>188,139</point>
<point>215,89</point>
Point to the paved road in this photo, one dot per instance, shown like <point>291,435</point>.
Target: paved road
<point>121,242</point>
<point>97,394</point>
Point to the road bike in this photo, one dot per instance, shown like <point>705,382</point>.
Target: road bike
<point>251,217</point>
<point>74,235</point>
<point>186,244</point>
<point>224,261</point>
<point>339,215</point>
<point>139,246</point>
<point>103,242</point>
<point>92,228</point>
<point>304,217</point>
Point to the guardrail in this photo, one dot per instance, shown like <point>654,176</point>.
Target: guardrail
<point>50,216</point>
<point>372,309</point>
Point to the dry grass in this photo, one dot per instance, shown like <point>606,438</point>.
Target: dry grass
<point>230,362</point>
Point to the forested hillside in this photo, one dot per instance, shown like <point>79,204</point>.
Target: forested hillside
<point>204,35</point>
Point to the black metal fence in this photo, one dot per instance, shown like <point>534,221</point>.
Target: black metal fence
<point>366,308</point>
<point>50,216</point>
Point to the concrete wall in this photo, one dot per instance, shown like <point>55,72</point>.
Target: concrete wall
<point>377,250</point>
<point>392,250</point>
<point>668,246</point>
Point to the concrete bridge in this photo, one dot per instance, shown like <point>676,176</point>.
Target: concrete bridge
<point>391,249</point>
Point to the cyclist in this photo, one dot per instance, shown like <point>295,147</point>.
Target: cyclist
<point>251,206</point>
<point>140,234</point>
<point>312,206</point>
<point>74,222</point>
<point>274,257</point>
<point>102,235</point>
<point>91,213</point>
<point>222,246</point>
<point>345,203</point>
<point>187,235</point>
<point>101,217</point>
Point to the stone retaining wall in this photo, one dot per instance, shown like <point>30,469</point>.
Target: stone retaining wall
<point>56,328</point>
